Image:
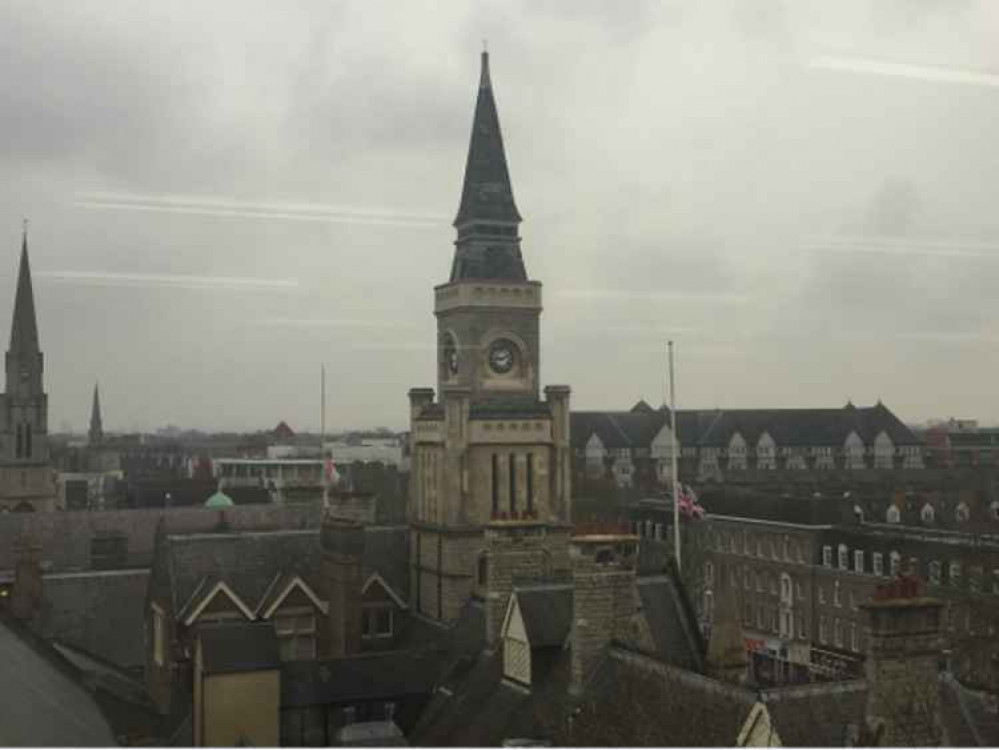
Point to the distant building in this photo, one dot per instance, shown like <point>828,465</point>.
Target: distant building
<point>633,449</point>
<point>27,479</point>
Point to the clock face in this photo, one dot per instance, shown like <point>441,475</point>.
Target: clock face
<point>449,356</point>
<point>502,356</point>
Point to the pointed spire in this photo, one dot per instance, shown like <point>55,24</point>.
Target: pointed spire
<point>96,426</point>
<point>486,193</point>
<point>24,330</point>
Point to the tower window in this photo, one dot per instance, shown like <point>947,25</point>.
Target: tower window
<point>495,485</point>
<point>27,448</point>
<point>530,482</point>
<point>513,483</point>
<point>20,443</point>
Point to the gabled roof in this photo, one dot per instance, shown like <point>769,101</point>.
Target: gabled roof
<point>714,428</point>
<point>284,584</point>
<point>208,590</point>
<point>671,620</point>
<point>250,562</point>
<point>546,611</point>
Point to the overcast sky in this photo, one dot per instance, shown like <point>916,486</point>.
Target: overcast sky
<point>224,195</point>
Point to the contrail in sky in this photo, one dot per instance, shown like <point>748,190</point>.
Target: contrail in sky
<point>227,208</point>
<point>929,73</point>
<point>877,245</point>
<point>164,280</point>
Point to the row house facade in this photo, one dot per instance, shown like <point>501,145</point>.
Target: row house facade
<point>634,449</point>
<point>800,587</point>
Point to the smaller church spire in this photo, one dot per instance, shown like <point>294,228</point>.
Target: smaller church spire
<point>24,329</point>
<point>96,426</point>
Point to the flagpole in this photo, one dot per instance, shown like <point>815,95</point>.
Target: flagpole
<point>676,479</point>
<point>322,427</point>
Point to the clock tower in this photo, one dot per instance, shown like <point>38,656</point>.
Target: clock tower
<point>488,450</point>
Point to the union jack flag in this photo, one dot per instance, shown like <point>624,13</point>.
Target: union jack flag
<point>688,503</point>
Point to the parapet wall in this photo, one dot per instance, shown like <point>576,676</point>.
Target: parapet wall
<point>65,537</point>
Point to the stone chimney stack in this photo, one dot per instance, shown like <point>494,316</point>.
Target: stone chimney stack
<point>903,705</point>
<point>605,598</point>
<point>26,597</point>
<point>557,397</point>
<point>522,550</point>
<point>727,645</point>
<point>342,541</point>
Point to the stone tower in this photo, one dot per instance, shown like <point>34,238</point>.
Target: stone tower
<point>902,666</point>
<point>26,477</point>
<point>96,433</point>
<point>489,447</point>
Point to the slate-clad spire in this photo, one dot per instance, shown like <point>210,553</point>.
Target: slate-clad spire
<point>486,193</point>
<point>24,329</point>
<point>488,245</point>
<point>96,426</point>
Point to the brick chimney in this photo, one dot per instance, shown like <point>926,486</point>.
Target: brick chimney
<point>26,597</point>
<point>342,542</point>
<point>605,598</point>
<point>515,549</point>
<point>903,704</point>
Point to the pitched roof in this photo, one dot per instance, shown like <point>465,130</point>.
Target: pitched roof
<point>671,620</point>
<point>360,677</point>
<point>249,562</point>
<point>44,703</point>
<point>713,427</point>
<point>817,715</point>
<point>546,611</point>
<point>238,647</point>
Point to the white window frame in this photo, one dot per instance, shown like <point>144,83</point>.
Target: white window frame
<point>858,561</point>
<point>877,563</point>
<point>827,556</point>
<point>844,557</point>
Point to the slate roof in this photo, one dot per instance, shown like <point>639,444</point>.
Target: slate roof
<point>712,427</point>
<point>486,192</point>
<point>238,647</point>
<point>817,715</point>
<point>248,562</point>
<point>360,678</point>
<point>24,328</point>
<point>547,613</point>
<point>43,701</point>
<point>671,620</point>
<point>100,612</point>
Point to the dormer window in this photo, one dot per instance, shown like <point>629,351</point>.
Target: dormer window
<point>927,514</point>
<point>963,512</point>
<point>893,515</point>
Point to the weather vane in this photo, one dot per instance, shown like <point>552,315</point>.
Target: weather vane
<point>485,46</point>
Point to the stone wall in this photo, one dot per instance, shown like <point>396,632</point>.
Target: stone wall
<point>65,538</point>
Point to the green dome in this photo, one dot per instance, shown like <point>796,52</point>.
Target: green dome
<point>218,500</point>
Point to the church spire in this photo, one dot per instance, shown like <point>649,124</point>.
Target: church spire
<point>96,427</point>
<point>486,194</point>
<point>488,245</point>
<point>24,329</point>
